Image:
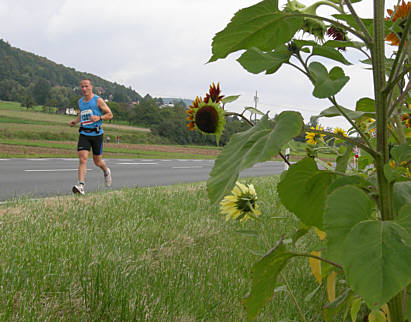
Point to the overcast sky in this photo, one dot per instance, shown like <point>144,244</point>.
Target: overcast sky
<point>160,47</point>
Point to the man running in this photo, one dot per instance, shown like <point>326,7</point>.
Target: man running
<point>93,110</point>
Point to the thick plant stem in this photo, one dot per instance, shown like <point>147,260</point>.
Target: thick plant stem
<point>385,191</point>
<point>395,307</point>
<point>384,187</point>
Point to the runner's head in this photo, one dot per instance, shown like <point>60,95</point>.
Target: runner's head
<point>86,87</point>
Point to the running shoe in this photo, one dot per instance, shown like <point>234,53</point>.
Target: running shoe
<point>78,188</point>
<point>107,178</point>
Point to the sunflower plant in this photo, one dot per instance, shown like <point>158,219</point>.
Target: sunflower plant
<point>363,218</point>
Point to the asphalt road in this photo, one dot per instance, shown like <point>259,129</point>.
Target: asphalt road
<point>50,177</point>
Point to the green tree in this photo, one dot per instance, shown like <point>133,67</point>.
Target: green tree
<point>41,91</point>
<point>28,101</point>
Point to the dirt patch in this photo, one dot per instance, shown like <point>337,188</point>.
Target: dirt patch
<point>6,149</point>
<point>31,150</point>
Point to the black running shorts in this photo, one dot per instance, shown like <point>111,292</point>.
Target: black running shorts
<point>85,142</point>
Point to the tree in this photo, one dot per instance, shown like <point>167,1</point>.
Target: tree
<point>28,101</point>
<point>41,91</point>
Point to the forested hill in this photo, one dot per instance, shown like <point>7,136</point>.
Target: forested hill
<point>26,76</point>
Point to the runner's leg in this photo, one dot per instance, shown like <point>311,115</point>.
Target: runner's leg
<point>82,167</point>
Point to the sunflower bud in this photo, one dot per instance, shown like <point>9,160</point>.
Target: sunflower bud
<point>293,48</point>
<point>312,26</point>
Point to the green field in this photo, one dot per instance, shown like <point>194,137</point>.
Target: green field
<point>34,133</point>
<point>157,254</point>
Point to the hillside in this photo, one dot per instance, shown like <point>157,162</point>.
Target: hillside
<point>23,73</point>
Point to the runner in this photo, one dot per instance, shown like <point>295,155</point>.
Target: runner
<point>93,111</point>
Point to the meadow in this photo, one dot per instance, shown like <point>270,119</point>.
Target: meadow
<point>157,253</point>
<point>35,133</point>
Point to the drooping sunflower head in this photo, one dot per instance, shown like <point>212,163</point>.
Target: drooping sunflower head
<point>207,118</point>
<point>314,138</point>
<point>337,34</point>
<point>340,131</point>
<point>214,94</point>
<point>191,109</point>
<point>241,204</point>
<point>399,13</point>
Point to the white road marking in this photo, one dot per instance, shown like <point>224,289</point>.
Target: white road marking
<point>192,167</point>
<point>138,163</point>
<point>4,159</point>
<point>53,170</point>
<point>72,159</point>
<point>38,159</point>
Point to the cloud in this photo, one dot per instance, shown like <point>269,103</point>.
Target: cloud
<point>161,47</point>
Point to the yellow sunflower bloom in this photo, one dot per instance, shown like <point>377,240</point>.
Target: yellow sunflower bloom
<point>207,116</point>
<point>191,111</point>
<point>241,204</point>
<point>340,131</point>
<point>313,138</point>
<point>400,13</point>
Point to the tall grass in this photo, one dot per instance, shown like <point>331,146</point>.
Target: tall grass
<point>158,254</point>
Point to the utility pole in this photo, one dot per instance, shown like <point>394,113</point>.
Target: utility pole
<point>255,105</point>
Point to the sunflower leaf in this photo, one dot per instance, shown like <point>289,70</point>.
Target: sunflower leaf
<point>298,187</point>
<point>401,153</point>
<point>333,112</point>
<point>327,84</point>
<point>258,144</point>
<point>253,110</point>
<point>341,43</point>
<point>330,53</point>
<point>345,207</point>
<point>365,104</point>
<point>256,61</point>
<point>342,160</point>
<point>380,268</point>
<point>264,279</point>
<point>262,26</point>
<point>230,99</point>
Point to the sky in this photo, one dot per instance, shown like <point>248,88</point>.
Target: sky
<point>161,48</point>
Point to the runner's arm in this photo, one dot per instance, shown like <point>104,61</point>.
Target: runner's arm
<point>74,122</point>
<point>107,114</point>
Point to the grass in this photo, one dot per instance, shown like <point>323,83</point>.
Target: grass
<point>110,150</point>
<point>157,253</point>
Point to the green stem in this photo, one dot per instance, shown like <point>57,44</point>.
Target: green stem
<point>378,50</point>
<point>400,99</point>
<point>239,115</point>
<point>358,20</point>
<point>395,307</point>
<point>385,191</point>
<point>339,25</point>
<point>363,136</point>
<point>391,85</point>
<point>299,68</point>
<point>314,6</point>
<point>321,259</point>
<point>300,312</point>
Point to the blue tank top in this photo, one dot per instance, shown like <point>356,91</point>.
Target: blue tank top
<point>88,109</point>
